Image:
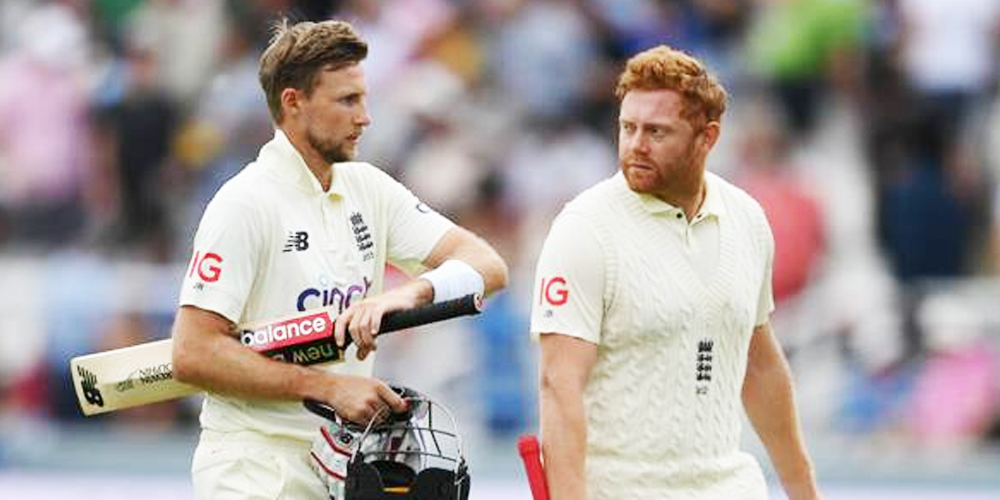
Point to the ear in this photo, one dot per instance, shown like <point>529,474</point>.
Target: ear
<point>291,102</point>
<point>709,135</point>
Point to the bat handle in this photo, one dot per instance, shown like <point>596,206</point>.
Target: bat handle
<point>531,455</point>
<point>402,319</point>
<point>320,408</point>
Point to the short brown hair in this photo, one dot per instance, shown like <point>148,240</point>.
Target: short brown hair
<point>299,52</point>
<point>664,68</point>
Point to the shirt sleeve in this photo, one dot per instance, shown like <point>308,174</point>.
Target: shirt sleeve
<point>569,281</point>
<point>765,302</point>
<point>224,259</point>
<point>414,228</point>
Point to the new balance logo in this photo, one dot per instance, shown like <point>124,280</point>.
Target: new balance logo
<point>88,383</point>
<point>297,241</point>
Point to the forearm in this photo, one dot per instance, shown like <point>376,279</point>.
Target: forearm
<point>231,369</point>
<point>413,293</point>
<point>461,244</point>
<point>206,357</point>
<point>564,441</point>
<point>770,406</point>
<point>768,397</point>
<point>489,264</point>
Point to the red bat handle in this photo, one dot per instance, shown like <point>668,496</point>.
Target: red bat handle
<point>531,454</point>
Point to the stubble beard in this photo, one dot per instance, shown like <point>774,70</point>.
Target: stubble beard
<point>331,152</point>
<point>663,180</point>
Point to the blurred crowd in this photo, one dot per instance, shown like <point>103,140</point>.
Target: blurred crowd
<point>868,129</point>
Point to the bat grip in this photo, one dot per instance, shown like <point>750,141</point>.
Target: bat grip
<point>531,453</point>
<point>430,313</point>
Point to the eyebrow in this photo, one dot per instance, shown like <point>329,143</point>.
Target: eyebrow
<point>658,124</point>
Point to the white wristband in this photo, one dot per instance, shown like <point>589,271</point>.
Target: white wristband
<point>453,279</point>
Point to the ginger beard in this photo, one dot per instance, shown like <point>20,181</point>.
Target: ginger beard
<point>650,176</point>
<point>660,151</point>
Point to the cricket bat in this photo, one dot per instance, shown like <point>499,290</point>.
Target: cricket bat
<point>531,454</point>
<point>142,374</point>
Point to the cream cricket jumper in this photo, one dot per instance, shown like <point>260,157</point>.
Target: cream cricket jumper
<point>272,242</point>
<point>663,401</point>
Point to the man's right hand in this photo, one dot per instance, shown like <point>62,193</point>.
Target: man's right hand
<point>359,399</point>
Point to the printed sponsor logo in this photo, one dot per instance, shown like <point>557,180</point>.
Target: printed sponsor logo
<point>207,266</point>
<point>297,241</point>
<point>290,332</point>
<point>339,298</point>
<point>315,352</point>
<point>554,291</point>
<point>88,383</point>
<point>147,375</point>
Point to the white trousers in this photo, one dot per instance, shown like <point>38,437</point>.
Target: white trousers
<point>249,466</point>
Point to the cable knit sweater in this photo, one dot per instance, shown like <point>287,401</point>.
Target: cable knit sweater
<point>663,401</point>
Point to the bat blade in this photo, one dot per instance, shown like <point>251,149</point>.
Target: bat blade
<point>126,377</point>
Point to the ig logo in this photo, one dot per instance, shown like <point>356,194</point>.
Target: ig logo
<point>554,291</point>
<point>207,266</point>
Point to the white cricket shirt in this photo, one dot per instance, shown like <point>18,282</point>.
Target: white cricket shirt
<point>272,242</point>
<point>671,305</point>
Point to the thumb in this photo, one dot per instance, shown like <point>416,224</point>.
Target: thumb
<point>340,332</point>
<point>395,401</point>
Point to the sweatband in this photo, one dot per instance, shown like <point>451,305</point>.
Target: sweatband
<point>453,279</point>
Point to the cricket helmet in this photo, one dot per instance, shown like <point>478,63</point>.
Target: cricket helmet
<point>413,455</point>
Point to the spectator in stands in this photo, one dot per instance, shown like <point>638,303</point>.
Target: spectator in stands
<point>139,129</point>
<point>792,208</point>
<point>800,47</point>
<point>44,149</point>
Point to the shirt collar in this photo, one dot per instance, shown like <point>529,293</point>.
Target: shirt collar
<point>287,163</point>
<point>712,206</point>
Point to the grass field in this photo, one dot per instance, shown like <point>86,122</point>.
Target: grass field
<point>49,464</point>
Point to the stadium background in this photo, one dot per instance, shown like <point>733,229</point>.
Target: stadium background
<point>869,130</point>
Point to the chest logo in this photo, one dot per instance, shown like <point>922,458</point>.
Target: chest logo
<point>703,370</point>
<point>363,236</point>
<point>297,241</point>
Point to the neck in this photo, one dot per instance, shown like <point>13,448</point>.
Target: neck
<point>320,169</point>
<point>690,202</point>
<point>688,195</point>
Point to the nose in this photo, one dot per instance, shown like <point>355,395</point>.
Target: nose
<point>637,142</point>
<point>363,119</point>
